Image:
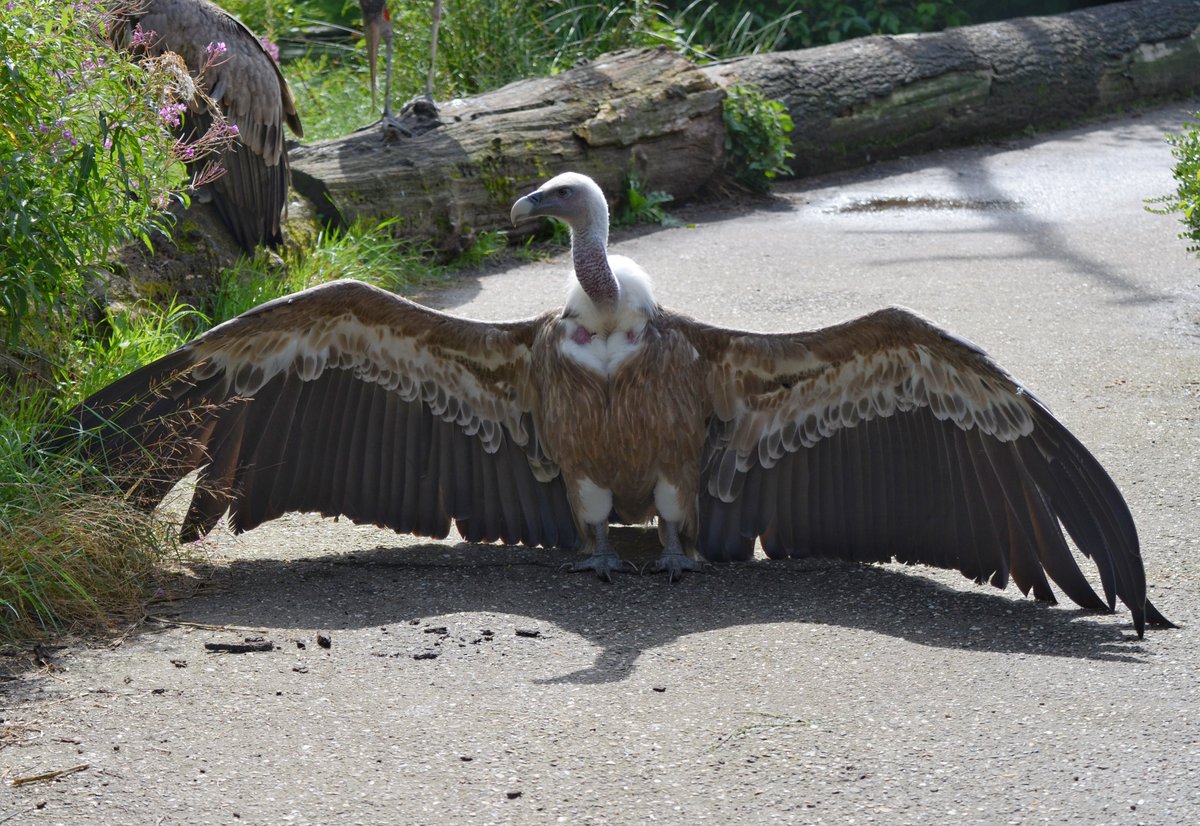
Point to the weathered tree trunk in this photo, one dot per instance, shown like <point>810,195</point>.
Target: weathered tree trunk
<point>650,111</point>
<point>882,97</point>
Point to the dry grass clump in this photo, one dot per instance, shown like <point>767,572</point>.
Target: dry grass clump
<point>75,560</point>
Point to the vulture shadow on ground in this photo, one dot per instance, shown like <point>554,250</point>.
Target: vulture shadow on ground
<point>389,586</point>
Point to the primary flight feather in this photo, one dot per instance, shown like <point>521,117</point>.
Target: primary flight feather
<point>881,438</point>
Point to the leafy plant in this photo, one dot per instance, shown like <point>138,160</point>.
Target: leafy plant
<point>645,207</point>
<point>364,251</point>
<point>1185,201</point>
<point>88,157</point>
<point>757,139</point>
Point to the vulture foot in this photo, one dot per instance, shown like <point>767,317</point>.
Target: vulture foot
<point>418,116</point>
<point>604,564</point>
<point>393,128</point>
<point>675,563</point>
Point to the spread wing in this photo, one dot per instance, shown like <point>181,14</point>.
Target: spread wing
<point>346,400</point>
<point>887,437</point>
<point>253,95</point>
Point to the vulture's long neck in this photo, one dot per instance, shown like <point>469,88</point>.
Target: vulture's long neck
<point>589,251</point>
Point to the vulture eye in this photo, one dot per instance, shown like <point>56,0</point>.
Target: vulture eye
<point>564,191</point>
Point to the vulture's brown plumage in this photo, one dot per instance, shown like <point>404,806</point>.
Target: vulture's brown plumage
<point>253,95</point>
<point>883,437</point>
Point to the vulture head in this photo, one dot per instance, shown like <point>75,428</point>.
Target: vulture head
<point>579,202</point>
<point>573,198</point>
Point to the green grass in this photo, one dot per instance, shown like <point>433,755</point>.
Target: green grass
<point>363,251</point>
<point>484,44</point>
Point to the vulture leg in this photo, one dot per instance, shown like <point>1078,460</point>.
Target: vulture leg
<point>437,22</point>
<point>388,35</point>
<point>604,560</point>
<point>420,114</point>
<point>673,560</point>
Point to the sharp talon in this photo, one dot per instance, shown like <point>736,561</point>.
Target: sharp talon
<point>675,565</point>
<point>604,565</point>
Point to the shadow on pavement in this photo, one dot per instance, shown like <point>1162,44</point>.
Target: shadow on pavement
<point>635,614</point>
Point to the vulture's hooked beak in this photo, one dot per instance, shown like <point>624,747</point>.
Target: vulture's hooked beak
<point>526,208</point>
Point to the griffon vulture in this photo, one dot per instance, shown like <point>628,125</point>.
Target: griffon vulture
<point>883,437</point>
<point>243,79</point>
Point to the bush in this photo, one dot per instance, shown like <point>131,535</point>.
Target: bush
<point>1186,199</point>
<point>88,157</point>
<point>757,138</point>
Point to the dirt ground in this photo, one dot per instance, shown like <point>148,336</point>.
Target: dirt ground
<point>410,681</point>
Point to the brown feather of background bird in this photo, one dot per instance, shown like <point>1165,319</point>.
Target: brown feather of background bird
<point>252,94</point>
<point>881,438</point>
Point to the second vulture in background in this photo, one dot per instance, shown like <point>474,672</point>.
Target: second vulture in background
<point>377,25</point>
<point>253,95</point>
<point>883,437</point>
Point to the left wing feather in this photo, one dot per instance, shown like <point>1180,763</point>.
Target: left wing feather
<point>346,400</point>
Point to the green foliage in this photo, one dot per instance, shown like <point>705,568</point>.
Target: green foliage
<point>331,94</point>
<point>756,137</point>
<point>485,246</point>
<point>1185,201</point>
<point>484,44</point>
<point>706,30</point>
<point>126,339</point>
<point>803,23</point>
<point>89,162</point>
<point>645,207</point>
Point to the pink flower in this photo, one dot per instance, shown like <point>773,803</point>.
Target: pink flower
<point>172,114</point>
<point>141,39</point>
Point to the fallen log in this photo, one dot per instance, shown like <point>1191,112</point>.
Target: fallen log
<point>883,97</point>
<point>649,111</point>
